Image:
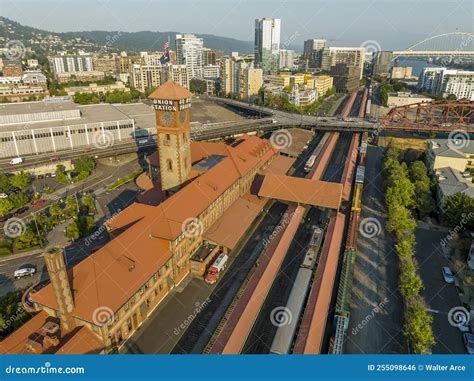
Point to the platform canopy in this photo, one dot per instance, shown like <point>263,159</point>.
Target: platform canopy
<point>302,191</point>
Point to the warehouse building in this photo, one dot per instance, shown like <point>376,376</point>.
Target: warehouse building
<point>58,124</point>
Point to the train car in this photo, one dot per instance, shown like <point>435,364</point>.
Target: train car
<point>360,174</point>
<point>283,340</point>
<point>309,164</point>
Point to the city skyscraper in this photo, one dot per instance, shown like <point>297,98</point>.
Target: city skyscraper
<point>189,52</point>
<point>267,43</point>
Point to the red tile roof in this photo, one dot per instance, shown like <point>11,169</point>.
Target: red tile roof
<point>111,275</point>
<point>304,191</point>
<point>170,90</point>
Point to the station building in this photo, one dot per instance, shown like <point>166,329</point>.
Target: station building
<point>207,207</point>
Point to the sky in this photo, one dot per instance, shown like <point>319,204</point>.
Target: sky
<point>390,24</point>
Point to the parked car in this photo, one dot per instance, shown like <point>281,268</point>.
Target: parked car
<point>447,274</point>
<point>3,195</point>
<point>6,217</point>
<point>54,158</point>
<point>37,203</point>
<point>24,271</point>
<point>16,160</point>
<point>469,342</point>
<point>12,190</point>
<point>21,210</point>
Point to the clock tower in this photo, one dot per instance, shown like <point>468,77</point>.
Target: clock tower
<point>171,103</point>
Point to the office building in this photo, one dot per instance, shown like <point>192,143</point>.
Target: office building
<point>287,59</point>
<point>381,63</point>
<point>405,98</point>
<point>349,56</point>
<point>104,64</point>
<point>346,78</point>
<point>94,88</point>
<point>314,45</point>
<point>147,77</point>
<point>401,72</point>
<point>302,97</point>
<point>321,83</point>
<point>189,52</point>
<point>267,44</point>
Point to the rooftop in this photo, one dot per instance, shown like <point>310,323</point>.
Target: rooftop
<point>111,275</point>
<point>170,90</point>
<point>452,147</point>
<point>451,181</point>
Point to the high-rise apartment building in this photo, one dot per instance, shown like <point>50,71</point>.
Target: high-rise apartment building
<point>189,52</point>
<point>346,78</point>
<point>267,43</point>
<point>382,62</point>
<point>146,77</point>
<point>287,59</point>
<point>68,64</point>
<point>443,82</point>
<point>336,55</point>
<point>239,77</point>
<point>314,44</point>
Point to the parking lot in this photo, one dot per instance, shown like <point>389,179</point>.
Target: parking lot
<point>440,296</point>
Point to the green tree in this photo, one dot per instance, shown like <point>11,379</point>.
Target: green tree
<point>458,210</point>
<point>12,314</point>
<point>19,199</point>
<point>418,327</point>
<point>28,240</point>
<point>72,231</point>
<point>84,164</point>
<point>20,180</point>
<point>71,209</point>
<point>88,202</point>
<point>4,182</point>
<point>61,176</point>
<point>86,225</point>
<point>5,206</point>
<point>56,213</point>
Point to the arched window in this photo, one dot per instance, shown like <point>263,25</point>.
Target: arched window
<point>169,163</point>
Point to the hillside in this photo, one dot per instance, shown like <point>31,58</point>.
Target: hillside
<point>112,40</point>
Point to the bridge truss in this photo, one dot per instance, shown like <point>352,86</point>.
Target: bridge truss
<point>440,116</point>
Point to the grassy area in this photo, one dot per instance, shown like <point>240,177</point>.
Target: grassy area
<point>5,247</point>
<point>126,179</point>
<point>409,143</point>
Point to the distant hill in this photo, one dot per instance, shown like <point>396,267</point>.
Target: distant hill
<point>116,41</point>
<point>147,40</point>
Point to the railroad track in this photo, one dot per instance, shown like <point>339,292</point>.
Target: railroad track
<point>199,333</point>
<point>335,167</point>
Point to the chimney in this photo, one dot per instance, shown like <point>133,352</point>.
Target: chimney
<point>62,289</point>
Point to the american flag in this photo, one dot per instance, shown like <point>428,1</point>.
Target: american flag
<point>166,53</point>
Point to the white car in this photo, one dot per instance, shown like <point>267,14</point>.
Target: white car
<point>3,195</point>
<point>25,271</point>
<point>447,274</point>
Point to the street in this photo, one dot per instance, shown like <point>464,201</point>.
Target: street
<point>376,320</point>
<point>108,202</point>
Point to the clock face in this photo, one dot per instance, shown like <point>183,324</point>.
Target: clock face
<point>182,116</point>
<point>166,118</point>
